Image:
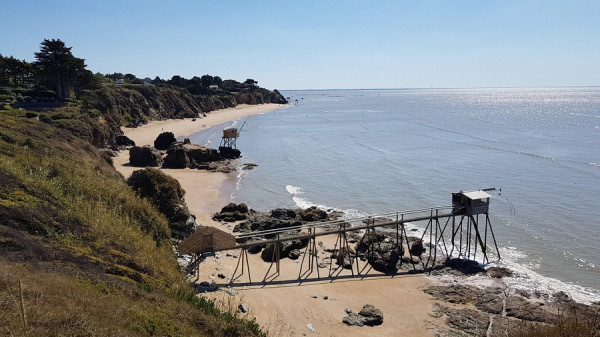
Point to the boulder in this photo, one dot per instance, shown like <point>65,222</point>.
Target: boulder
<point>372,315</point>
<point>201,154</point>
<point>124,141</point>
<point>313,214</point>
<point>416,248</point>
<point>369,315</point>
<point>164,140</point>
<point>283,213</point>
<point>176,158</point>
<point>342,258</point>
<point>229,153</point>
<point>382,253</point>
<point>144,156</point>
<point>232,212</point>
<point>285,248</point>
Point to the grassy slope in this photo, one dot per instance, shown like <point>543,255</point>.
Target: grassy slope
<point>93,258</point>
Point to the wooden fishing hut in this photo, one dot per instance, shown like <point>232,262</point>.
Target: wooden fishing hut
<point>205,240</point>
<point>471,203</point>
<point>469,206</point>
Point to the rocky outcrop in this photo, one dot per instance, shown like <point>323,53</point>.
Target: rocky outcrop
<point>131,105</point>
<point>381,251</point>
<point>144,156</point>
<point>124,141</point>
<point>232,212</point>
<point>369,315</point>
<point>499,311</point>
<point>313,214</point>
<point>164,140</point>
<point>280,218</point>
<point>182,155</point>
<point>285,249</point>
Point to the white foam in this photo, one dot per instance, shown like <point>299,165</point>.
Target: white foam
<point>293,189</point>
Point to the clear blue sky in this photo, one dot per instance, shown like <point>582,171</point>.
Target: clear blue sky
<point>322,44</point>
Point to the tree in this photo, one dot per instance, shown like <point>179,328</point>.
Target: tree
<point>61,70</point>
<point>250,82</point>
<point>14,72</point>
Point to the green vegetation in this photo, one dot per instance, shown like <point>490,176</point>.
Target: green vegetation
<point>80,253</point>
<point>165,193</point>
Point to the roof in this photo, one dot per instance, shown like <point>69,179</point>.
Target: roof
<point>476,195</point>
<point>195,242</point>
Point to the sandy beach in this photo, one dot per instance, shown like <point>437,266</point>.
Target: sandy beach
<point>286,308</point>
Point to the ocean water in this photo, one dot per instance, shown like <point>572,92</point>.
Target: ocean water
<point>376,151</point>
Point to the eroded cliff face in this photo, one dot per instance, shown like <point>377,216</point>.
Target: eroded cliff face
<point>129,105</point>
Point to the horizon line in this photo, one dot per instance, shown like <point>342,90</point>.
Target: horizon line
<point>427,88</point>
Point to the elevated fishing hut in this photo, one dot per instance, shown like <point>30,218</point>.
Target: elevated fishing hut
<point>470,206</point>
<point>228,146</point>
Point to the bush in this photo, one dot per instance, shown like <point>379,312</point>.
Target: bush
<point>165,193</point>
<point>30,114</point>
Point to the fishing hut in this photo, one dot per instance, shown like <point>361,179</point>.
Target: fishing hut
<point>469,206</point>
<point>228,146</point>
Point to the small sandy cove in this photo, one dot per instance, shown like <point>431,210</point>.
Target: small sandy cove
<point>285,309</point>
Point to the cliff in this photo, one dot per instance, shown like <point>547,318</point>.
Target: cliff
<point>101,113</point>
<point>80,253</point>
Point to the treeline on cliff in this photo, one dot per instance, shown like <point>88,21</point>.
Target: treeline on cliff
<point>58,89</point>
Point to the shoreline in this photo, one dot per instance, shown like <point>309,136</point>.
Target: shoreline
<point>203,189</point>
<point>286,310</point>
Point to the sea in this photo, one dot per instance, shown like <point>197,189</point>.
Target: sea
<point>367,152</point>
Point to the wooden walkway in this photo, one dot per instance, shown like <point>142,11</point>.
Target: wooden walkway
<point>449,232</point>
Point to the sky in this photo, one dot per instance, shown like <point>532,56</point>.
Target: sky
<point>292,44</point>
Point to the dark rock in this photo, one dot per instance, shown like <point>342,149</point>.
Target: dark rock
<point>164,140</point>
<point>353,320</point>
<point>561,296</point>
<point>144,156</point>
<point>285,247</point>
<point>176,158</point>
<point>382,254</point>
<point>187,141</point>
<point>342,258</point>
<point>313,214</point>
<point>498,272</point>
<point>249,166</point>
<point>232,213</point>
<point>255,249</point>
<point>283,213</point>
<point>221,275</point>
<point>372,315</point>
<point>369,315</point>
<point>229,153</point>
<point>294,254</point>
<point>232,207</point>
<point>201,154</point>
<point>459,267</point>
<point>417,248</point>
<point>243,308</point>
<point>124,141</point>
